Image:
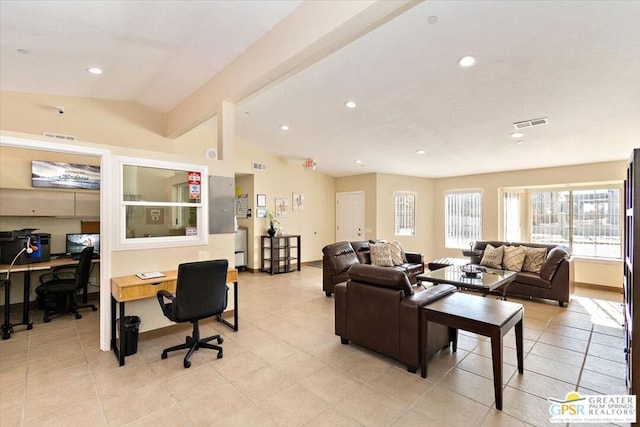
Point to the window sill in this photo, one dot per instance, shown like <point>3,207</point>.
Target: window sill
<point>591,260</point>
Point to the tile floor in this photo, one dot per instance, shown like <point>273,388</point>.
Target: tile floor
<point>285,367</point>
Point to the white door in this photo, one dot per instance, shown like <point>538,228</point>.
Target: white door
<point>350,216</point>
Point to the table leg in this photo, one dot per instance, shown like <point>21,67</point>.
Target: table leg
<point>7,328</point>
<point>235,310</point>
<point>121,332</point>
<point>25,300</point>
<point>519,346</point>
<point>496,356</point>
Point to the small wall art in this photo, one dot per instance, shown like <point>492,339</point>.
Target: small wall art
<point>282,207</point>
<point>297,202</point>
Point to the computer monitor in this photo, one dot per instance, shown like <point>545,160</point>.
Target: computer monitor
<point>76,242</point>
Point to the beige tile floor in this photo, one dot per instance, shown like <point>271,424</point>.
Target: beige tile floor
<point>285,367</point>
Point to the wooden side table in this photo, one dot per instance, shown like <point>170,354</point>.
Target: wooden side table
<point>484,316</point>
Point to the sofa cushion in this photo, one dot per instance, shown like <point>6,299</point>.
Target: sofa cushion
<point>397,253</point>
<point>513,258</point>
<point>533,259</point>
<point>554,259</point>
<point>532,279</point>
<point>362,251</point>
<point>381,254</point>
<point>492,256</point>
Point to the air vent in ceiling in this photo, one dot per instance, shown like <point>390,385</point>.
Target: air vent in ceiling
<point>259,166</point>
<point>59,136</point>
<point>530,123</point>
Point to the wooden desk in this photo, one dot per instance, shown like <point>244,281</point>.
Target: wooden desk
<point>27,269</point>
<point>484,316</point>
<point>131,288</point>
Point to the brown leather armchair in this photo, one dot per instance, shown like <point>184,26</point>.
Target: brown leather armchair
<point>377,308</point>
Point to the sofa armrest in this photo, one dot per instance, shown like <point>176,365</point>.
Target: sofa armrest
<point>415,257</point>
<point>381,276</point>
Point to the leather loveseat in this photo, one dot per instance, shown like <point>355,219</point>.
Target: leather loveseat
<point>377,308</point>
<point>555,281</point>
<point>338,257</point>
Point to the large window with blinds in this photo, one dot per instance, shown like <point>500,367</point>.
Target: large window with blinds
<point>463,218</point>
<point>405,213</point>
<point>585,220</point>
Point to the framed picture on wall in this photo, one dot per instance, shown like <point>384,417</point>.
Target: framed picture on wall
<point>261,212</point>
<point>261,201</point>
<point>297,202</point>
<point>282,207</point>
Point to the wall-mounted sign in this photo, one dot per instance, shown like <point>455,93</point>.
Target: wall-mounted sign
<point>194,180</point>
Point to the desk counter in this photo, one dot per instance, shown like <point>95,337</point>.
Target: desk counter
<point>131,288</point>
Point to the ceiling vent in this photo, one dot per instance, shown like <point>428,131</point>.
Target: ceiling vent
<point>259,166</point>
<point>59,136</point>
<point>531,123</point>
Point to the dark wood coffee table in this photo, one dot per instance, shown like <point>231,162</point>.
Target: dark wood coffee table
<point>484,316</point>
<point>489,281</point>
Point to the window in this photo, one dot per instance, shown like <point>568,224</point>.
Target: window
<point>162,204</point>
<point>405,213</point>
<point>585,220</point>
<point>463,219</point>
<point>512,214</point>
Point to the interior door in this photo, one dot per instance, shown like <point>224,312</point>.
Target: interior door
<point>350,216</point>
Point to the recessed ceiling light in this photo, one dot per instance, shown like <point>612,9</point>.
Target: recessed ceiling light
<point>350,104</point>
<point>517,135</point>
<point>284,127</point>
<point>467,61</point>
<point>432,19</point>
<point>359,162</point>
<point>420,151</point>
<point>94,70</point>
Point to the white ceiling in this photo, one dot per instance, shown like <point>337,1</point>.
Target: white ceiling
<point>575,62</point>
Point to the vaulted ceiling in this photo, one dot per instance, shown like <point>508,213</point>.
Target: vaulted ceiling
<point>576,63</point>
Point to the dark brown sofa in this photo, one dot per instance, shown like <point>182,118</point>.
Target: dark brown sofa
<point>338,257</point>
<point>377,308</point>
<point>556,278</point>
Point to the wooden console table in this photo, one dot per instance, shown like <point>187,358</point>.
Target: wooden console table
<point>131,288</point>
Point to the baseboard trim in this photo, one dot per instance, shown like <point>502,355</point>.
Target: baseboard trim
<point>600,287</point>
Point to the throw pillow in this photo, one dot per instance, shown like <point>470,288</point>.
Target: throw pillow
<point>533,259</point>
<point>513,258</point>
<point>398,256</point>
<point>381,254</point>
<point>550,265</point>
<point>492,256</point>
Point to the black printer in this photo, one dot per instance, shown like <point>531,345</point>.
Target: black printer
<point>12,242</point>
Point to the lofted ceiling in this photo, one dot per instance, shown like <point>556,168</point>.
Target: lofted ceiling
<point>576,63</point>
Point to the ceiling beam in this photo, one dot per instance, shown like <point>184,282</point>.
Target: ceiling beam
<point>311,32</point>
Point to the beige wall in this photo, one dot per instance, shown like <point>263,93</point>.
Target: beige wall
<point>315,224</point>
<point>587,271</point>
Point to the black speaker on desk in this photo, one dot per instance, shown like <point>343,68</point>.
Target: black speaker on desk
<point>12,242</point>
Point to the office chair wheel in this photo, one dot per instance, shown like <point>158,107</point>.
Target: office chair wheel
<point>47,320</point>
<point>219,355</point>
<point>164,355</point>
<point>187,363</point>
<point>220,340</point>
<point>78,316</point>
<point>94,308</point>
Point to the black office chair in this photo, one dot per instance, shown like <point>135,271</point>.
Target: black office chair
<point>201,292</point>
<point>58,290</point>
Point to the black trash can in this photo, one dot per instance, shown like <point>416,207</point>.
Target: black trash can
<point>131,329</point>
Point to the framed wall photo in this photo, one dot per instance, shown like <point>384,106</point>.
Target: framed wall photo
<point>261,212</point>
<point>282,207</point>
<point>297,202</point>
<point>261,201</point>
